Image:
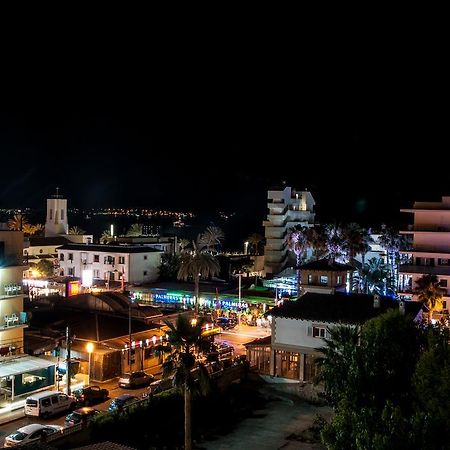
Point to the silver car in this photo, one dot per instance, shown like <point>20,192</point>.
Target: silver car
<point>31,433</point>
<point>135,379</point>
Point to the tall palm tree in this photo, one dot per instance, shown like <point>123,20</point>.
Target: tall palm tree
<point>255,240</point>
<point>296,241</point>
<point>136,229</point>
<point>30,230</point>
<point>185,341</point>
<point>355,240</point>
<point>430,292</point>
<point>372,277</point>
<point>17,222</point>
<point>391,241</point>
<point>196,264</point>
<point>211,237</point>
<point>76,230</point>
<point>316,239</point>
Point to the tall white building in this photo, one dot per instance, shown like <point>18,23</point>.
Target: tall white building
<point>430,252</point>
<point>287,208</point>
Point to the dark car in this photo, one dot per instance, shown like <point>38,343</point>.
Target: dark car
<point>82,415</point>
<point>159,386</point>
<point>121,402</point>
<point>225,323</point>
<point>135,379</point>
<point>91,394</point>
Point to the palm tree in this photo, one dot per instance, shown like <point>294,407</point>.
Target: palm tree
<point>333,365</point>
<point>106,237</point>
<point>391,241</point>
<point>211,237</point>
<point>184,243</point>
<point>184,341</point>
<point>136,229</point>
<point>76,230</point>
<point>196,264</point>
<point>356,240</point>
<point>372,276</point>
<point>296,241</point>
<point>17,222</point>
<point>30,230</point>
<point>430,292</point>
<point>255,240</point>
<point>316,239</point>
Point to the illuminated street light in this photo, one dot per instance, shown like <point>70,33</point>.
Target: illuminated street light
<point>194,322</point>
<point>90,349</point>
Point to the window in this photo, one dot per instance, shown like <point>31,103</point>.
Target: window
<point>310,279</point>
<point>51,214</point>
<point>62,214</point>
<point>70,256</point>
<point>145,256</point>
<point>121,259</point>
<point>323,279</point>
<point>41,251</point>
<point>109,260</point>
<point>443,283</point>
<point>319,332</point>
<point>96,258</point>
<point>54,399</point>
<point>145,273</point>
<point>443,262</point>
<point>71,271</point>
<point>339,280</point>
<point>96,273</point>
<point>61,256</point>
<point>45,402</point>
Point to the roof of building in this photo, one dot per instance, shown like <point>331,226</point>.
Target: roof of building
<point>15,366</point>
<point>110,248</point>
<point>266,340</point>
<point>42,241</point>
<point>340,308</point>
<point>328,265</point>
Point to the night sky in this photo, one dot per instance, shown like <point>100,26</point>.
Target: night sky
<point>217,142</point>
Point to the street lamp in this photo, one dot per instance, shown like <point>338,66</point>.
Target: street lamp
<point>194,322</point>
<point>246,248</point>
<point>90,349</point>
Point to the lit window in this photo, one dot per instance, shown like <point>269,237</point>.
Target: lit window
<point>323,279</point>
<point>339,280</point>
<point>310,279</point>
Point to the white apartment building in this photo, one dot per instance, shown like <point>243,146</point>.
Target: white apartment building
<point>287,208</point>
<point>134,263</point>
<point>430,252</point>
<point>12,317</point>
<point>20,374</point>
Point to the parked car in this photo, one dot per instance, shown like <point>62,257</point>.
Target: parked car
<point>30,433</point>
<point>82,415</point>
<point>47,403</point>
<point>159,386</point>
<point>120,402</point>
<point>91,394</point>
<point>135,379</point>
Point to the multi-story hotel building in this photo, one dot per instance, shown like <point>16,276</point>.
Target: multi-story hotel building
<point>430,253</point>
<point>287,208</point>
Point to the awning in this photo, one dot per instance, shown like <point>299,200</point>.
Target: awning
<point>23,364</point>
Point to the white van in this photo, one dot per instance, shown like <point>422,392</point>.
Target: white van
<point>45,404</point>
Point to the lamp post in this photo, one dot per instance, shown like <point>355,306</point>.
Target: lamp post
<point>90,349</point>
<point>246,248</point>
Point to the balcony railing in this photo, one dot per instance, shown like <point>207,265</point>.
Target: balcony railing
<point>432,270</point>
<point>14,320</point>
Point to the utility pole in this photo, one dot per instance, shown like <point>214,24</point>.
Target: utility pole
<point>129,335</point>
<point>68,344</point>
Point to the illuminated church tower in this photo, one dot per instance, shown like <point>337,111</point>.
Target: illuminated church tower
<point>56,222</point>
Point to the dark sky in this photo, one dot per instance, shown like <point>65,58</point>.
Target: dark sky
<point>366,138</point>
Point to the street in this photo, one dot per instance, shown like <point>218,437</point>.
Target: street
<point>240,335</point>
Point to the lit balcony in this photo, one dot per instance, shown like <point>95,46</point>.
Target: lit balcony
<point>432,270</point>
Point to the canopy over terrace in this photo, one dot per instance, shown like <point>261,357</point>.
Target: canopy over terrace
<point>25,374</point>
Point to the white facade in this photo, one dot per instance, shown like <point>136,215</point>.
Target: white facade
<point>288,208</point>
<point>56,222</point>
<point>136,264</point>
<point>12,316</point>
<point>430,252</point>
